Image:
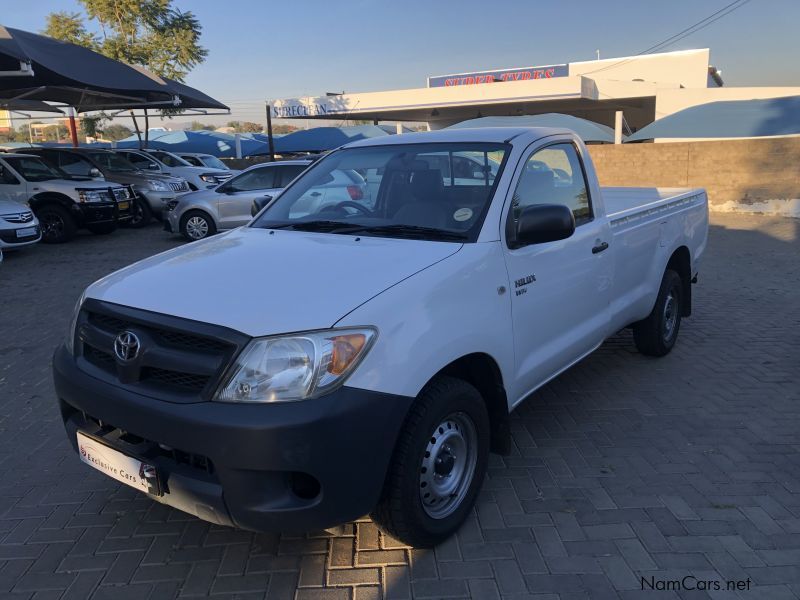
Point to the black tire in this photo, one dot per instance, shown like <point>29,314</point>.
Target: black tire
<point>57,224</point>
<point>400,511</point>
<point>141,214</point>
<point>190,225</point>
<point>656,335</point>
<point>102,228</point>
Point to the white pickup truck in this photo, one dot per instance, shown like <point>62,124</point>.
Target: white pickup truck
<point>312,367</point>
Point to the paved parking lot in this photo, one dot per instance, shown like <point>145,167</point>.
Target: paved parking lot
<point>626,472</point>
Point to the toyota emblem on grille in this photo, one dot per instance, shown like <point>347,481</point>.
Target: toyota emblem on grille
<point>126,346</point>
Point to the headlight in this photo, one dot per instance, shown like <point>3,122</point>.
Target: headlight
<point>159,186</point>
<point>295,367</point>
<point>69,342</point>
<point>91,196</point>
<point>208,178</point>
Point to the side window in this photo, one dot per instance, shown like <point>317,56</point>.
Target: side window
<point>288,173</point>
<point>7,177</point>
<point>192,160</point>
<point>257,179</point>
<point>140,161</point>
<point>554,175</point>
<point>73,164</point>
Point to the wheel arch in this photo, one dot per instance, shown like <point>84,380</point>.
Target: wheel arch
<point>482,371</point>
<point>681,262</point>
<point>43,198</point>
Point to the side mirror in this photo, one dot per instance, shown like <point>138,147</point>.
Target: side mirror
<point>259,203</point>
<point>542,223</point>
<point>95,172</point>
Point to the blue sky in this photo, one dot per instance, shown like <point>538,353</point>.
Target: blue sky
<point>260,49</point>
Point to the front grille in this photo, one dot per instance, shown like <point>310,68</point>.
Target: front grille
<point>177,379</point>
<point>147,449</point>
<point>22,217</point>
<point>179,186</point>
<point>171,363</point>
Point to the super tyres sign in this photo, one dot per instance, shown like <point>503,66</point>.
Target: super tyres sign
<point>501,75</point>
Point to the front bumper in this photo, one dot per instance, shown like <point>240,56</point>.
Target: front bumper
<point>10,240</point>
<point>157,200</point>
<point>96,213</point>
<point>294,466</point>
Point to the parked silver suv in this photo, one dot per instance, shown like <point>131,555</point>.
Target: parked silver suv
<point>167,163</point>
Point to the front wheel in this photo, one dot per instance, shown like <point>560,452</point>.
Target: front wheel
<point>141,214</point>
<point>58,226</point>
<point>657,334</point>
<point>197,225</point>
<point>438,465</point>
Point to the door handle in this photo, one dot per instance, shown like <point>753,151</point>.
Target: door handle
<point>315,194</point>
<point>600,247</point>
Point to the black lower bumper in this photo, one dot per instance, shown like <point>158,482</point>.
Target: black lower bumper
<point>294,466</point>
<point>95,213</point>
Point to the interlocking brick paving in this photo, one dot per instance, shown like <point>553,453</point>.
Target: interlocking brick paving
<point>624,467</point>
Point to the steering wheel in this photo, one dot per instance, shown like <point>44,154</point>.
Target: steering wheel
<point>350,204</point>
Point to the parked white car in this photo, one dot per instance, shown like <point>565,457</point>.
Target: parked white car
<point>167,163</point>
<point>18,225</point>
<point>333,360</point>
<point>200,159</point>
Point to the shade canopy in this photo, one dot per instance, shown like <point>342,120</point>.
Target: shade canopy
<point>29,106</point>
<point>58,71</point>
<point>321,139</point>
<point>588,131</point>
<point>729,119</point>
<point>222,145</point>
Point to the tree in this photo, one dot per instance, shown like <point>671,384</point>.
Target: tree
<point>198,126</point>
<point>70,28</point>
<point>245,127</point>
<point>149,33</point>
<point>115,132</point>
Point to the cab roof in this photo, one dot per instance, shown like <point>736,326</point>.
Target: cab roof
<point>497,135</point>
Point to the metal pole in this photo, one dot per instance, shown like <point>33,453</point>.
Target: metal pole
<point>73,130</point>
<point>238,143</point>
<point>269,133</point>
<point>618,127</point>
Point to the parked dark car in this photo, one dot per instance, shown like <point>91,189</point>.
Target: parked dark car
<point>155,189</point>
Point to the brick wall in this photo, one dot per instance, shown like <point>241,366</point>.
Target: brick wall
<point>739,175</point>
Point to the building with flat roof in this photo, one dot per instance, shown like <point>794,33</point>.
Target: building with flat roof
<point>642,88</point>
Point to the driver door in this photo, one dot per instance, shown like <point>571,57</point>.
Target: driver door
<point>12,186</point>
<point>236,199</point>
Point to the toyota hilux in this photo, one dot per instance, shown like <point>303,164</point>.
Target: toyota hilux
<point>332,360</point>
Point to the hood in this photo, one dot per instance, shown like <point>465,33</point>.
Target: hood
<point>205,195</point>
<point>264,282</point>
<point>10,207</point>
<point>58,185</point>
<point>134,177</point>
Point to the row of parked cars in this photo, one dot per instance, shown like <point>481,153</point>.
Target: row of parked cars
<point>50,193</point>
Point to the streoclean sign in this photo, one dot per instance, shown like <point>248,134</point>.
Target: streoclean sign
<point>500,75</point>
<point>288,110</point>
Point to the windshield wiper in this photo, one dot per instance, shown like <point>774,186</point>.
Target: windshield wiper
<point>414,230</point>
<point>317,225</point>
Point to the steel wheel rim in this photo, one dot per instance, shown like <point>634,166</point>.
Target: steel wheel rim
<point>448,465</point>
<point>197,228</point>
<point>670,317</point>
<point>52,225</point>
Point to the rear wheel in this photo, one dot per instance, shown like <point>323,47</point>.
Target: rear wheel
<point>438,465</point>
<point>196,225</point>
<point>657,334</point>
<point>57,224</point>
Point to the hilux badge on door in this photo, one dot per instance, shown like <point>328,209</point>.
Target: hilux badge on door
<point>126,346</point>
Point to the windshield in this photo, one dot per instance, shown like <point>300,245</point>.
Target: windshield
<point>426,191</point>
<point>170,159</point>
<point>212,162</point>
<point>113,162</point>
<point>34,169</point>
